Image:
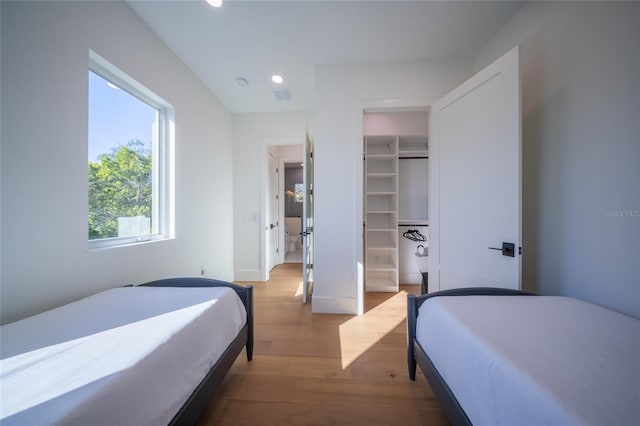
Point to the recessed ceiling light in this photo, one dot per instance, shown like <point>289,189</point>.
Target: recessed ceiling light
<point>215,3</point>
<point>276,78</point>
<point>241,81</point>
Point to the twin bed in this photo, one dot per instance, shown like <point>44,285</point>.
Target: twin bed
<point>503,357</point>
<point>155,353</point>
<point>146,355</point>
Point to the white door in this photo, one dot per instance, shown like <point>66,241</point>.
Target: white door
<point>307,222</point>
<point>475,181</point>
<point>272,217</point>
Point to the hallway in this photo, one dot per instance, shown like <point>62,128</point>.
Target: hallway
<point>294,257</point>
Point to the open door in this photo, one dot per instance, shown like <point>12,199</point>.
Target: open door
<point>475,181</point>
<point>307,222</point>
<point>272,228</point>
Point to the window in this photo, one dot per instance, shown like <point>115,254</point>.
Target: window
<point>129,164</point>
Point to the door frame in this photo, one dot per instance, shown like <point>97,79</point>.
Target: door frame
<point>371,105</point>
<point>281,164</point>
<point>269,255</point>
<point>267,144</point>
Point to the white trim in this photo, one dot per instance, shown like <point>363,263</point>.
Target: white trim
<point>334,305</point>
<point>264,176</point>
<point>110,72</point>
<point>246,275</point>
<point>270,266</point>
<point>410,278</point>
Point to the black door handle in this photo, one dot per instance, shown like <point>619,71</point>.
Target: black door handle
<point>271,226</point>
<point>508,249</point>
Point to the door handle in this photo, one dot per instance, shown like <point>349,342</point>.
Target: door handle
<point>508,249</point>
<point>271,226</point>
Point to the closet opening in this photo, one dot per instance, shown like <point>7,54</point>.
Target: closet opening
<point>395,199</point>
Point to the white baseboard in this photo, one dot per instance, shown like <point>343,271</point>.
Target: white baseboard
<point>410,278</point>
<point>334,305</point>
<point>246,275</point>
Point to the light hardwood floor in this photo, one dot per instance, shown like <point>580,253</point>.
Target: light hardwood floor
<point>319,369</point>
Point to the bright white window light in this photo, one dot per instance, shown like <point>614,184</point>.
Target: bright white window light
<point>277,79</point>
<point>215,3</point>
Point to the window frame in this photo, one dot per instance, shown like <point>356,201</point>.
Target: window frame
<point>162,162</point>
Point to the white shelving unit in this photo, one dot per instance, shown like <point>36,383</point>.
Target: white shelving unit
<point>413,146</point>
<point>381,213</point>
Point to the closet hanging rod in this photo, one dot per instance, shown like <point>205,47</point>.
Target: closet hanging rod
<point>412,158</point>
<point>412,225</point>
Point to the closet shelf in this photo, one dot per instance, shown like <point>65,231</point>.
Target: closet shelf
<point>377,245</point>
<point>413,144</point>
<point>382,268</point>
<point>382,175</point>
<point>381,212</point>
<point>381,284</point>
<point>382,156</point>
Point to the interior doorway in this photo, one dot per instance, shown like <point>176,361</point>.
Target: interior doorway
<point>395,201</point>
<point>294,224</point>
<point>274,241</point>
<point>293,211</point>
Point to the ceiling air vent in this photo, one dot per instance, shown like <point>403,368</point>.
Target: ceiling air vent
<point>282,94</point>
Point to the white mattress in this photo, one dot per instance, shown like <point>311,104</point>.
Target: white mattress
<point>126,356</point>
<point>535,360</point>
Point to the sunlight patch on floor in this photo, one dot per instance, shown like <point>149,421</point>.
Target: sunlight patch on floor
<point>356,335</point>
<point>299,289</point>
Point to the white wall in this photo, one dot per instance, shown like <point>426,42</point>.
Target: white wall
<point>404,123</point>
<point>252,135</point>
<point>581,147</point>
<point>0,151</point>
<point>341,93</point>
<point>45,261</point>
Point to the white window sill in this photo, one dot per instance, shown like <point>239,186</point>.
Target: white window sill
<point>111,243</point>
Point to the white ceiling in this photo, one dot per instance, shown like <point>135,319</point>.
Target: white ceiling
<point>255,39</point>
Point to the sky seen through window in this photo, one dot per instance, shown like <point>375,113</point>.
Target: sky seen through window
<point>116,117</point>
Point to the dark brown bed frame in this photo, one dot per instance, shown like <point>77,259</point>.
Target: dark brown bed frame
<point>190,412</point>
<point>417,355</point>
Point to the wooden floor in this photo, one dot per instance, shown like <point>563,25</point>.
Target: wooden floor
<point>319,369</point>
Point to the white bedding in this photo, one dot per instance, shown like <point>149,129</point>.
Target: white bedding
<point>535,360</point>
<point>126,356</point>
